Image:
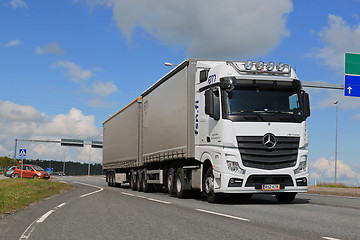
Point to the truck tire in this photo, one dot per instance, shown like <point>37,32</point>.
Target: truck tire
<point>180,184</point>
<point>139,181</point>
<point>145,185</point>
<point>211,196</point>
<point>133,180</point>
<point>285,197</point>
<point>170,181</point>
<point>108,178</point>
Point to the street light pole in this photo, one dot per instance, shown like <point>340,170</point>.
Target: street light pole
<point>336,136</point>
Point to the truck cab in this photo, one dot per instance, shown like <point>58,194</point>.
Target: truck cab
<point>250,127</point>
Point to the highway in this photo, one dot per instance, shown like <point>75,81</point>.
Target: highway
<point>92,210</point>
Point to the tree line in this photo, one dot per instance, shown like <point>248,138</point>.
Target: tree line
<point>71,168</point>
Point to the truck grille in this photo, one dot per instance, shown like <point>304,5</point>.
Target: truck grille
<point>254,154</point>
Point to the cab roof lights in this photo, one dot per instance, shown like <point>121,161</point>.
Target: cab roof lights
<point>260,67</point>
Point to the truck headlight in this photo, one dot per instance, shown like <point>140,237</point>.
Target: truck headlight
<point>234,167</point>
<point>302,165</point>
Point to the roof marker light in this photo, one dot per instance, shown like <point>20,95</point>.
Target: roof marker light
<point>280,67</point>
<point>248,65</point>
<point>270,66</point>
<point>259,65</point>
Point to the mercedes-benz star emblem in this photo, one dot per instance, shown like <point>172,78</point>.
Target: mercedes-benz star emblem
<point>269,141</point>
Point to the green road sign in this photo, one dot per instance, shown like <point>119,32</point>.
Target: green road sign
<point>352,63</point>
<point>352,75</point>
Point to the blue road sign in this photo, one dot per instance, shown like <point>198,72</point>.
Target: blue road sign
<point>22,153</point>
<point>352,85</point>
<point>49,170</point>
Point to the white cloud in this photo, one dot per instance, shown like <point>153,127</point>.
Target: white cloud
<point>18,4</point>
<point>338,37</point>
<point>215,29</point>
<point>324,171</point>
<point>103,89</point>
<point>14,112</point>
<point>12,43</point>
<point>75,72</point>
<point>52,47</point>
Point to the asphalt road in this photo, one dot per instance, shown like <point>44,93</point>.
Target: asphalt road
<point>92,210</point>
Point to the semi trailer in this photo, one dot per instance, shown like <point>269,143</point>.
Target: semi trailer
<point>213,126</point>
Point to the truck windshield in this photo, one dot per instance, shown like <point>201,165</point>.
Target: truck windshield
<point>262,103</point>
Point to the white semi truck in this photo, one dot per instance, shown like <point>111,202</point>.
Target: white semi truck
<point>219,127</point>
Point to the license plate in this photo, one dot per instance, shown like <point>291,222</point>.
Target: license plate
<point>270,187</point>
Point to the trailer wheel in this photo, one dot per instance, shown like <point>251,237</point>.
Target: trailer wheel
<point>139,181</point>
<point>145,185</point>
<point>170,179</point>
<point>133,180</point>
<point>285,197</point>
<point>211,196</point>
<point>180,184</point>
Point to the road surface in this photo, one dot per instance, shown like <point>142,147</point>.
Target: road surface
<point>92,210</point>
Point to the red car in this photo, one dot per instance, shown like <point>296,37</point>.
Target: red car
<point>30,171</point>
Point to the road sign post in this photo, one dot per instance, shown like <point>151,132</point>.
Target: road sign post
<point>352,75</point>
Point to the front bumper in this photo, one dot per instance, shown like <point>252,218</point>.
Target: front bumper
<point>252,182</point>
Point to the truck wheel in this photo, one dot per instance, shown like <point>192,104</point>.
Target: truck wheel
<point>170,179</point>
<point>133,180</point>
<point>285,197</point>
<point>139,181</point>
<point>145,185</point>
<point>211,196</point>
<point>108,178</point>
<point>180,184</point>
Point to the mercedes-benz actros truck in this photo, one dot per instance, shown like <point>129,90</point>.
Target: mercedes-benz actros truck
<point>218,127</point>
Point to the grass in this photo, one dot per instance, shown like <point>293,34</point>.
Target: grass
<point>18,193</point>
<point>333,185</point>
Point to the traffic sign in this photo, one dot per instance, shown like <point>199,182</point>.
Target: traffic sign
<point>352,75</point>
<point>49,170</point>
<point>22,153</point>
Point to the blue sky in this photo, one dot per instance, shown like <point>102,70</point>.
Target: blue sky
<point>66,65</point>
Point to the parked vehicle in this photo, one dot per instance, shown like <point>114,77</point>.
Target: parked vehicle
<point>30,171</point>
<point>220,127</point>
<point>9,172</point>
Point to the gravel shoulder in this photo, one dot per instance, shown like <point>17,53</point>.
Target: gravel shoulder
<point>347,192</point>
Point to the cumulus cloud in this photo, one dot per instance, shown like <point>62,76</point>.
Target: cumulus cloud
<point>215,29</point>
<point>18,4</point>
<point>52,47</point>
<point>75,72</point>
<point>15,112</point>
<point>338,37</point>
<point>324,170</point>
<point>26,122</point>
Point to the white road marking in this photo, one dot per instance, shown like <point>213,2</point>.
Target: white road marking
<point>43,217</point>
<point>26,234</point>
<point>223,215</point>
<point>87,194</point>
<point>150,199</point>
<point>129,194</point>
<point>330,238</point>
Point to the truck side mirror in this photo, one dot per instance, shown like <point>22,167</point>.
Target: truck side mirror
<point>211,103</point>
<point>305,104</point>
